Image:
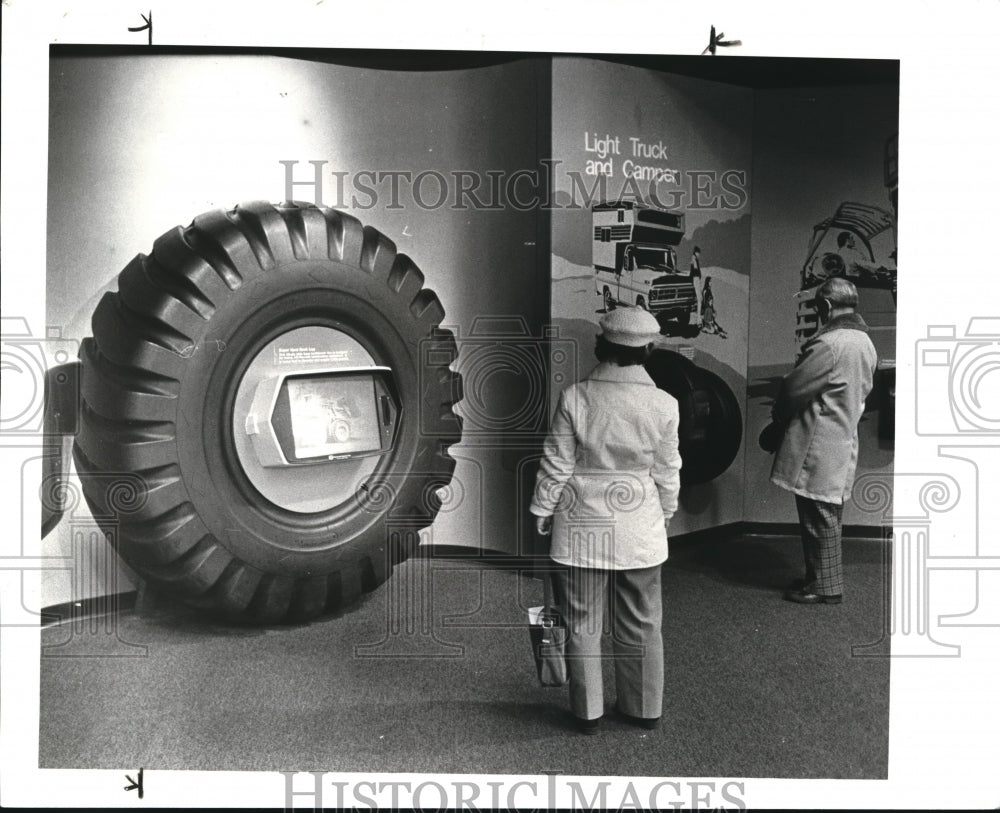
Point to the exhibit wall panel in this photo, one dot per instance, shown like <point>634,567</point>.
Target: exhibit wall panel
<point>673,143</point>
<point>816,149</point>
<point>139,144</point>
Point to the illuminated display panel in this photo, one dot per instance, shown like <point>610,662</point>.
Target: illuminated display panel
<point>327,416</point>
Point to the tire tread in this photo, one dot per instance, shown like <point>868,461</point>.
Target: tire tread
<point>134,368</point>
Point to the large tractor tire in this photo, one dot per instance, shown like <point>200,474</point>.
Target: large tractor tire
<point>711,423</point>
<point>159,386</point>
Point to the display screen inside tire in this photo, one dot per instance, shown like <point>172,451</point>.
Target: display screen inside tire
<point>276,379</point>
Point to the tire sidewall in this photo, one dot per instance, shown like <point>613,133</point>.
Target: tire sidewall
<point>691,386</point>
<point>305,293</point>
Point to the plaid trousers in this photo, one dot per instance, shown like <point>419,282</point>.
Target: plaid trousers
<point>821,524</point>
<point>635,605</point>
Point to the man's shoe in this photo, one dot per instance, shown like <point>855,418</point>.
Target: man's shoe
<point>649,723</point>
<point>804,596</point>
<point>586,726</point>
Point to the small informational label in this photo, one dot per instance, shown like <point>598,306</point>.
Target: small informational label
<point>309,355</point>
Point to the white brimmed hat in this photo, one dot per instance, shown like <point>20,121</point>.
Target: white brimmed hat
<point>632,327</point>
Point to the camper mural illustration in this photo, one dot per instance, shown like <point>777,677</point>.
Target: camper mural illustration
<point>635,262</point>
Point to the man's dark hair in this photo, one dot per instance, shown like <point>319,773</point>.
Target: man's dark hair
<point>842,239</point>
<point>620,354</point>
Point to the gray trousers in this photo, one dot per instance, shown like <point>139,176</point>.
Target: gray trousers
<point>634,603</point>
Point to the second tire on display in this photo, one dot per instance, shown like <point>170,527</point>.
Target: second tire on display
<point>711,424</point>
<point>276,381</point>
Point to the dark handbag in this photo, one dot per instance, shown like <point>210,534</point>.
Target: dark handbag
<point>548,639</point>
<point>771,437</point>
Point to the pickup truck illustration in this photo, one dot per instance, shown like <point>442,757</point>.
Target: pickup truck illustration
<point>635,262</point>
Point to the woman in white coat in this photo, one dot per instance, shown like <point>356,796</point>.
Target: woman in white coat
<point>606,491</point>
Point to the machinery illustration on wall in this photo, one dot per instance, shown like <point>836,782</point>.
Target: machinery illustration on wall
<point>859,243</point>
<point>276,380</point>
<point>635,264</point>
<point>856,243</point>
<point>834,252</point>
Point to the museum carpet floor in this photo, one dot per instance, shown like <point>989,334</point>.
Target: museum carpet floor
<point>432,673</point>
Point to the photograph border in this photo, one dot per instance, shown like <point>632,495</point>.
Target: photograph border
<point>943,713</point>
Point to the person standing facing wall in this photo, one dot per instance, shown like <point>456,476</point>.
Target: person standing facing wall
<point>818,407</point>
<point>695,271</point>
<point>606,490</point>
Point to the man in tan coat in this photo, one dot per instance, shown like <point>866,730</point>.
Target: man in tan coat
<point>819,405</point>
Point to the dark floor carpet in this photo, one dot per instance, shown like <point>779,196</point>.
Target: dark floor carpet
<point>432,673</point>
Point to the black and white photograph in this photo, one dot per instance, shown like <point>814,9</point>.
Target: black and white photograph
<point>405,407</point>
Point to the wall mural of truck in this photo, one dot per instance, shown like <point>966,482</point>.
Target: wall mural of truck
<point>635,262</point>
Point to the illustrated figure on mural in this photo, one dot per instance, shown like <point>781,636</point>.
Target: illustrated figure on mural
<point>709,324</point>
<point>695,273</point>
<point>847,261</point>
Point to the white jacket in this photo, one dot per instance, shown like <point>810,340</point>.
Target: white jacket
<point>611,471</point>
